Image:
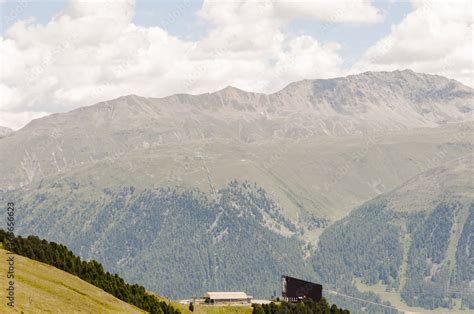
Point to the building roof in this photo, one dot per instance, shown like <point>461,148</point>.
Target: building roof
<point>225,295</point>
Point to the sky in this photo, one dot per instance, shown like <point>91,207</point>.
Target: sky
<point>58,55</point>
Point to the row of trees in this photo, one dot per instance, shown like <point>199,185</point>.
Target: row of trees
<point>59,256</point>
<point>465,261</point>
<point>307,306</point>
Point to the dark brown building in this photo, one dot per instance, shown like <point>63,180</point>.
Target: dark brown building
<point>293,289</point>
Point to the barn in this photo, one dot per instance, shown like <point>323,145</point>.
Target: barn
<point>227,297</point>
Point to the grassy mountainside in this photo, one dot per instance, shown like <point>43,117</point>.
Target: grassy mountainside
<point>423,252</point>
<point>44,288</point>
<point>322,176</point>
<point>360,131</point>
<point>59,256</point>
<point>207,243</point>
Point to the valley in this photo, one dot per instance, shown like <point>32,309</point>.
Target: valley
<point>366,178</point>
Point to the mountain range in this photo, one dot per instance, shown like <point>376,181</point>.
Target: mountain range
<point>228,190</point>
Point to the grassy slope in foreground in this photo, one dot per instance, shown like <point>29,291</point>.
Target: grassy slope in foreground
<point>43,288</point>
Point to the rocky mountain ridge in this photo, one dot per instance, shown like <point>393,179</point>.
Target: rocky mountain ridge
<point>4,131</point>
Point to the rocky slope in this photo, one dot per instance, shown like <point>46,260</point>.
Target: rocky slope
<point>359,104</point>
<point>4,131</point>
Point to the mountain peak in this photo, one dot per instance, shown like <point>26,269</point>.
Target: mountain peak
<point>231,91</point>
<point>367,102</point>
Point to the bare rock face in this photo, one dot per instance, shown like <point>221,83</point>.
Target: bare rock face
<point>375,101</point>
<point>357,104</point>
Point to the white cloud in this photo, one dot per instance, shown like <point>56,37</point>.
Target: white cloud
<point>436,37</point>
<point>13,119</point>
<point>92,51</point>
<point>341,11</point>
<point>118,10</point>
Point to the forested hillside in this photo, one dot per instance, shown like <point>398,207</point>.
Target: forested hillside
<point>187,242</point>
<point>183,240</point>
<point>304,307</point>
<point>425,254</point>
